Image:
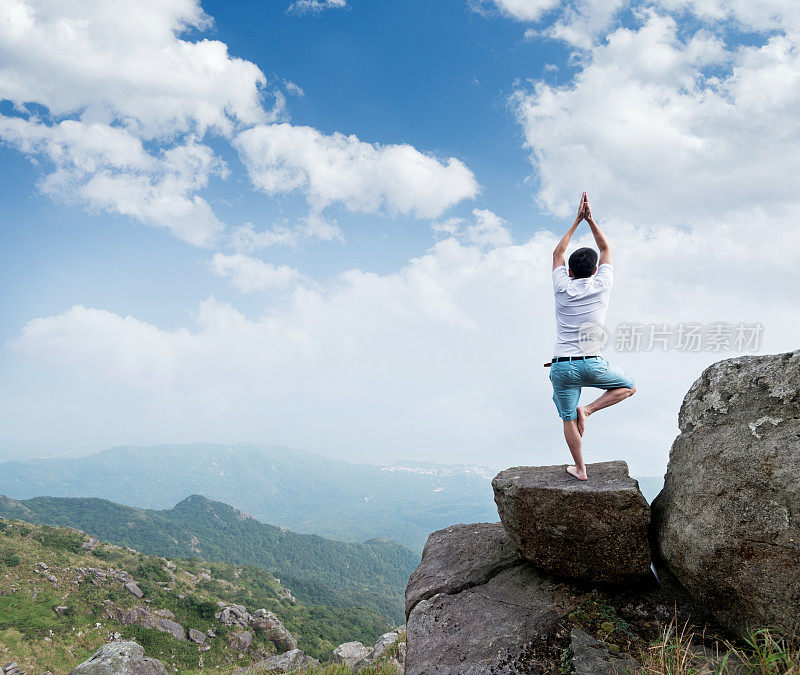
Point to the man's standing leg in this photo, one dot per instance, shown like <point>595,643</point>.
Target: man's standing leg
<point>573,437</point>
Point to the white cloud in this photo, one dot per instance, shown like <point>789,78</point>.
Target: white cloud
<point>250,274</point>
<point>312,227</point>
<point>521,10</point>
<point>115,60</point>
<point>107,168</point>
<point>443,356</point>
<point>315,6</point>
<point>649,134</point>
<point>123,75</point>
<point>488,229</point>
<point>364,177</point>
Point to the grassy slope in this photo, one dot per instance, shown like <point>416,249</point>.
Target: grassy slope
<point>318,571</point>
<point>39,639</point>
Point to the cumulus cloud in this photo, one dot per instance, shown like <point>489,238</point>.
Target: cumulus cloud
<point>315,6</point>
<point>651,134</point>
<point>124,61</point>
<point>251,274</point>
<point>363,177</point>
<point>442,356</point>
<point>122,75</point>
<point>125,101</point>
<point>312,227</point>
<point>488,229</point>
<point>522,10</point>
<point>107,168</point>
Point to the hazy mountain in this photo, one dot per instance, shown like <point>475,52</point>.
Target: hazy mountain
<point>298,490</point>
<point>319,571</point>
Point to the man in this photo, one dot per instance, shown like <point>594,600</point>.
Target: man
<point>581,295</point>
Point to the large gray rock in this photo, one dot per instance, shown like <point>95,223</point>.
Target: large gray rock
<point>349,653</point>
<point>290,662</point>
<point>241,640</point>
<point>160,619</point>
<point>265,621</point>
<point>727,522</point>
<point>458,556</point>
<point>120,658</point>
<point>594,530</point>
<point>475,606</point>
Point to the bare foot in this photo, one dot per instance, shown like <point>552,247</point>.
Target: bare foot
<point>573,470</point>
<point>582,415</point>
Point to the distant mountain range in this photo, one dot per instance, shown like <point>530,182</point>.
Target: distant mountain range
<point>318,571</point>
<point>301,491</point>
<point>298,490</point>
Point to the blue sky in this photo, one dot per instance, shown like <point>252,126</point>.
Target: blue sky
<point>420,158</point>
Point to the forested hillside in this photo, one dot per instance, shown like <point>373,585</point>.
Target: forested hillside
<point>64,595</point>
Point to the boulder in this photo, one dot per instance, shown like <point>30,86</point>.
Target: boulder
<point>593,531</point>
<point>475,606</point>
<point>589,657</point>
<point>727,522</point>
<point>289,662</point>
<point>266,622</point>
<point>197,636</point>
<point>160,619</point>
<point>120,658</point>
<point>234,615</point>
<point>240,640</point>
<point>457,556</point>
<point>382,647</point>
<point>134,589</point>
<point>349,653</point>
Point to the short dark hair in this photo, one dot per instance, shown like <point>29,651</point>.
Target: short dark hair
<point>582,263</point>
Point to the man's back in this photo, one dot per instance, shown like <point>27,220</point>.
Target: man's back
<point>579,302</point>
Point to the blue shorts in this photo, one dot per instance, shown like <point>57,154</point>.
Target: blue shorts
<point>569,376</point>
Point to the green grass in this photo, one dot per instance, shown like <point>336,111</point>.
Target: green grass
<point>684,652</point>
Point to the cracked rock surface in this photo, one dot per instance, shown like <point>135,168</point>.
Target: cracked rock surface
<point>593,531</point>
<point>475,606</point>
<point>727,522</point>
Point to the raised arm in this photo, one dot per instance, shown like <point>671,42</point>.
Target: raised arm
<point>561,246</point>
<point>600,239</point>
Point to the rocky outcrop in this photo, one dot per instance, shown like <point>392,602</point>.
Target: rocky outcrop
<point>159,619</point>
<point>393,643</point>
<point>727,522</point>
<point>593,531</point>
<point>240,640</point>
<point>349,653</point>
<point>475,606</point>
<point>289,662</point>
<point>269,624</point>
<point>458,557</point>
<point>260,620</point>
<point>120,658</point>
<point>234,615</point>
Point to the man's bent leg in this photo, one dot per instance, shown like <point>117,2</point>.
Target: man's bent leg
<point>607,399</point>
<point>617,383</point>
<point>573,439</point>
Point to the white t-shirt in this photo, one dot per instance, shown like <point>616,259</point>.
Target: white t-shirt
<point>579,302</point>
